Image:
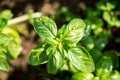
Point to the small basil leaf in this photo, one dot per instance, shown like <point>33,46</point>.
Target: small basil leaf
<point>38,55</point>
<point>83,76</point>
<point>14,50</point>
<point>81,59</point>
<point>61,31</point>
<point>104,66</point>
<point>56,59</point>
<point>74,31</point>
<point>45,27</point>
<point>4,64</point>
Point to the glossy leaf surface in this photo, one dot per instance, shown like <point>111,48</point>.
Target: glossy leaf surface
<point>81,59</point>
<point>45,27</point>
<point>56,59</point>
<point>74,31</point>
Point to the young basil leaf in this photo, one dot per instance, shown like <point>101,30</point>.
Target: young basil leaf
<point>14,50</point>
<point>104,66</point>
<point>38,55</point>
<point>45,27</point>
<point>83,76</point>
<point>81,59</point>
<point>74,31</point>
<point>4,64</point>
<point>61,31</point>
<point>56,59</point>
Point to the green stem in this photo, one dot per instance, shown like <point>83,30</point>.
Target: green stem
<point>23,18</point>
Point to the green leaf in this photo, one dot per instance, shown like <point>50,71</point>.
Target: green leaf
<point>104,66</point>
<point>14,50</point>
<point>45,27</point>
<point>61,31</point>
<point>105,6</point>
<point>88,42</point>
<point>5,39</point>
<point>2,52</point>
<point>83,76</point>
<point>100,42</point>
<point>12,32</point>
<point>111,18</point>
<point>56,59</point>
<point>74,31</point>
<point>3,23</point>
<point>4,66</point>
<point>38,55</point>
<point>96,54</point>
<point>81,59</point>
<point>114,57</point>
<point>115,75</point>
<point>6,14</point>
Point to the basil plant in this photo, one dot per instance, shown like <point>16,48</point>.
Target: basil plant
<point>60,46</point>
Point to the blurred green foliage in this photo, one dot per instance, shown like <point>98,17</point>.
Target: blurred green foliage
<point>9,41</point>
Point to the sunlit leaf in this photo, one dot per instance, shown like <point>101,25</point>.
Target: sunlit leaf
<point>81,59</point>
<point>56,59</point>
<point>45,27</point>
<point>5,39</point>
<point>14,50</point>
<point>74,31</point>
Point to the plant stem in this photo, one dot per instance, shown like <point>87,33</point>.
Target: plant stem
<point>23,18</point>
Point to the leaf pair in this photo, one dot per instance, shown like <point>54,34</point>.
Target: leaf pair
<point>58,46</point>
